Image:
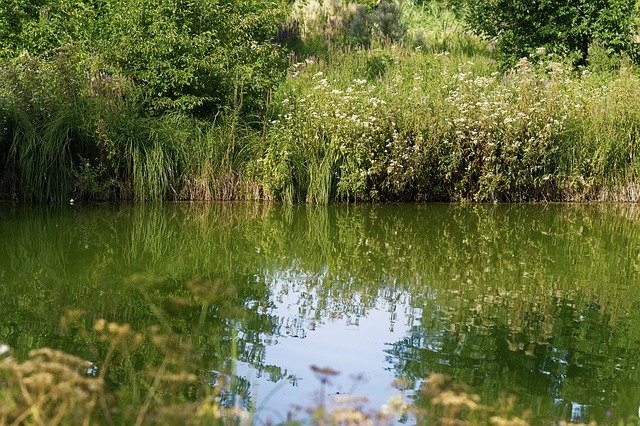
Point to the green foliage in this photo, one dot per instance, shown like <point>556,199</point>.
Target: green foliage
<point>435,27</point>
<point>387,22</point>
<point>197,56</point>
<point>564,27</point>
<point>201,56</point>
<point>68,136</point>
<point>438,127</point>
<point>41,26</point>
<point>190,100</point>
<point>503,134</point>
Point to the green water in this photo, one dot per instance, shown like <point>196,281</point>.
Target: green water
<point>537,301</point>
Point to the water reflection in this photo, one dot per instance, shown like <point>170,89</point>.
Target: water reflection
<point>536,300</point>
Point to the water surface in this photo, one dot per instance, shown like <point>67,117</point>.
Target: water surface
<point>536,301</point>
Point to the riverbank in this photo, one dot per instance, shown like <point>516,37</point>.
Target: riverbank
<point>387,123</point>
<point>423,113</point>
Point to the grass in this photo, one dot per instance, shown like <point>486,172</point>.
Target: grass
<point>434,28</point>
<point>450,128</point>
<point>66,136</point>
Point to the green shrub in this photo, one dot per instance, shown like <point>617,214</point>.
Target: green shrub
<point>565,27</point>
<point>42,26</point>
<point>197,57</point>
<point>441,127</point>
<point>69,133</point>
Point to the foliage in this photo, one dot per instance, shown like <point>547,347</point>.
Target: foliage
<point>436,27</point>
<point>502,140</point>
<point>198,57</point>
<point>48,123</point>
<point>566,27</point>
<point>42,26</point>
<point>439,127</point>
<point>70,137</point>
<point>190,100</point>
<point>195,56</point>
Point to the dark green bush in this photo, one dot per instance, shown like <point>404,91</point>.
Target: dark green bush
<point>42,26</point>
<point>201,56</point>
<point>565,27</point>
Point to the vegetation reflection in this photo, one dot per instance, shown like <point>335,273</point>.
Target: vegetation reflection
<point>534,301</point>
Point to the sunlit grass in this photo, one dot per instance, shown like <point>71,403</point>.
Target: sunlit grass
<point>393,123</point>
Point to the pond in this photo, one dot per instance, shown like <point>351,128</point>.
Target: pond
<point>535,301</point>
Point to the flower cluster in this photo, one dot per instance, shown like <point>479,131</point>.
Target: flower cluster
<point>502,134</point>
<point>335,130</point>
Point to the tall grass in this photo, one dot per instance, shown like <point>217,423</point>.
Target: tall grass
<point>147,154</point>
<point>435,28</point>
<point>220,158</point>
<point>69,133</point>
<point>46,124</point>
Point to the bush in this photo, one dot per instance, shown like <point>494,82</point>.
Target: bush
<point>564,27</point>
<point>42,26</point>
<point>200,56</point>
<point>442,128</point>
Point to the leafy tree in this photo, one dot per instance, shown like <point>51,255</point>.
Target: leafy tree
<point>193,56</point>
<point>197,56</point>
<point>566,27</point>
<point>41,26</point>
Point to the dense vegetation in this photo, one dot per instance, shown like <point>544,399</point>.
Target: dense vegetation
<point>318,101</point>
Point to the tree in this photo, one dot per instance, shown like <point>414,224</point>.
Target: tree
<point>566,27</point>
<point>42,26</point>
<point>193,56</point>
<point>198,56</point>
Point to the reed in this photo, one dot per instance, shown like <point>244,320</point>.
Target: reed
<point>44,150</point>
<point>219,158</point>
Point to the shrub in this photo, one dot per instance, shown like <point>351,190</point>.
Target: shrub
<point>566,27</point>
<point>440,127</point>
<point>201,56</point>
<point>42,26</point>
